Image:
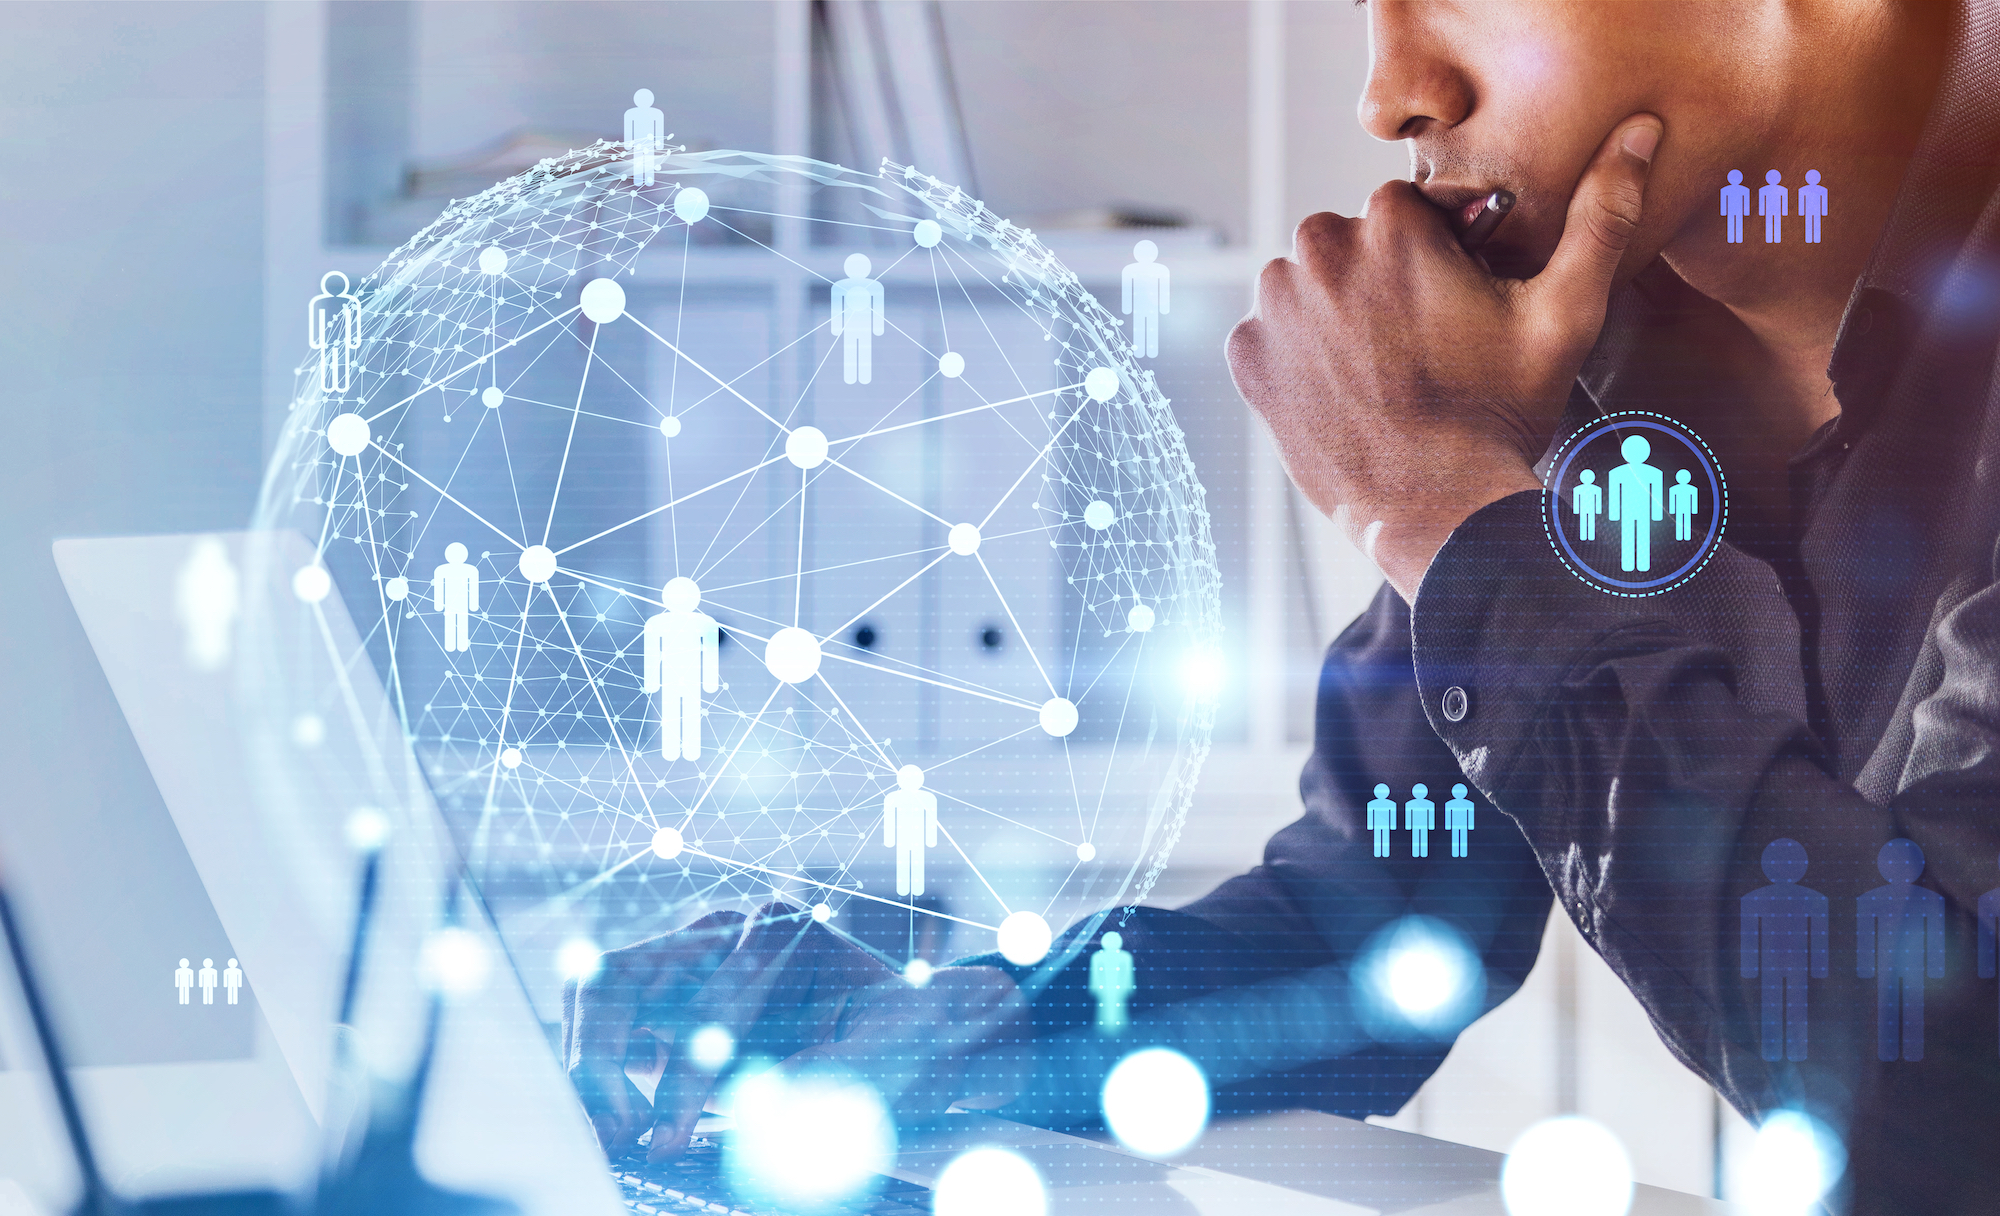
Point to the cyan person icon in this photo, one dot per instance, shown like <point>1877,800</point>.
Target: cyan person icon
<point>1636,502</point>
<point>1381,819</point>
<point>1587,500</point>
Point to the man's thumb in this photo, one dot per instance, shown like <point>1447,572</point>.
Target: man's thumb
<point>1603,215</point>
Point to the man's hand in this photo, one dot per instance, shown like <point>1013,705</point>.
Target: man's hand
<point>783,987</point>
<point>1406,386</point>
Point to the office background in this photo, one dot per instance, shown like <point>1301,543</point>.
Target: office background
<point>178,175</point>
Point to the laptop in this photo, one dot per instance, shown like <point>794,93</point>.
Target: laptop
<point>499,1117</point>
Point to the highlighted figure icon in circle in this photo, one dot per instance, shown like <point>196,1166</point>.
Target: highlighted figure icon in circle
<point>1381,818</point>
<point>1636,503</point>
<point>455,593</point>
<point>858,317</point>
<point>1111,982</point>
<point>682,648</point>
<point>1784,944</point>
<point>1420,816</point>
<point>909,826</point>
<point>1735,205</point>
<point>1458,815</point>
<point>646,133</point>
<point>333,328</point>
<point>1683,500</point>
<point>1587,499</point>
<point>1147,295</point>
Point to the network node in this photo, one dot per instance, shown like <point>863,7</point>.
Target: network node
<point>1058,716</point>
<point>1025,939</point>
<point>397,589</point>
<point>806,447</point>
<point>603,300</point>
<point>511,757</point>
<point>691,204</point>
<point>1139,619</point>
<point>963,539</point>
<point>538,563</point>
<point>348,434</point>
<point>367,830</point>
<point>493,260</point>
<point>667,844</point>
<point>311,583</point>
<point>929,233</point>
<point>793,655</point>
<point>822,913</point>
<point>1099,515</point>
<point>1086,851</point>
<point>951,365</point>
<point>670,426</point>
<point>917,972</point>
<point>1101,384</point>
<point>492,396</point>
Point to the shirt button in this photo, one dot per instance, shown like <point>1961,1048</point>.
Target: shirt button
<point>1456,704</point>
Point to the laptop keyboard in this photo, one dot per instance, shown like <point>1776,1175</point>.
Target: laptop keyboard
<point>695,1183</point>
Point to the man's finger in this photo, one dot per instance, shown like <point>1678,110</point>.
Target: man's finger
<point>1603,214</point>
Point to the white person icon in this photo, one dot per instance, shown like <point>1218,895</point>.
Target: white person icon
<point>909,826</point>
<point>681,663</point>
<point>455,593</point>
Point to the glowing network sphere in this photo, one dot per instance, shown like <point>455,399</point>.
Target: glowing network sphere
<point>784,477</point>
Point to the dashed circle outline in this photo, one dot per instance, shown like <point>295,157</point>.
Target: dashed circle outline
<point>1560,463</point>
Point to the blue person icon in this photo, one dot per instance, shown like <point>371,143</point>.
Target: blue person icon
<point>1812,205</point>
<point>1989,934</point>
<point>1381,819</point>
<point>1420,816</point>
<point>1683,500</point>
<point>1636,502</point>
<point>1735,205</point>
<point>1587,500</point>
<point>1899,943</point>
<point>1458,819</point>
<point>1784,942</point>
<point>1773,201</point>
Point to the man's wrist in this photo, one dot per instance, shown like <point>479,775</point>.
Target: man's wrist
<point>1403,539</point>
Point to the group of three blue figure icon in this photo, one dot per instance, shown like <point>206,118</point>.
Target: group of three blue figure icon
<point>1420,818</point>
<point>1635,495</point>
<point>1899,943</point>
<point>1773,203</point>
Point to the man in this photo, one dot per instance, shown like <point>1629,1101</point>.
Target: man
<point>1829,676</point>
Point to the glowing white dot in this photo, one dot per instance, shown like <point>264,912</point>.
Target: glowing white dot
<point>1086,851</point>
<point>1422,977</point>
<point>538,563</point>
<point>1140,619</point>
<point>822,913</point>
<point>918,972</point>
<point>951,364</point>
<point>792,654</point>
<point>670,426</point>
<point>603,300</point>
<point>308,730</point>
<point>492,396</point>
<point>578,959</point>
<point>1156,1102</point>
<point>455,962</point>
<point>348,434</point>
<point>1099,515</point>
<point>1567,1166</point>
<point>493,260</point>
<point>963,539</point>
<point>1202,672</point>
<point>667,844</point>
<point>989,1182</point>
<point>928,233</point>
<point>807,1143</point>
<point>691,204</point>
<point>367,830</point>
<point>511,757</point>
<point>311,583</point>
<point>397,589</point>
<point>806,447</point>
<point>710,1048</point>
<point>1058,716</point>
<point>1101,384</point>
<point>1025,939</point>
<point>1793,1160</point>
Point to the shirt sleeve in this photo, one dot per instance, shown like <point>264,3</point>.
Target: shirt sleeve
<point>1650,748</point>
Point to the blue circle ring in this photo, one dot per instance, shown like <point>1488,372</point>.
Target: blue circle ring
<point>1719,495</point>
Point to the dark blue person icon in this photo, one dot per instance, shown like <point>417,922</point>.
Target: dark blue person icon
<point>1784,944</point>
<point>1381,819</point>
<point>1899,943</point>
<point>1989,934</point>
<point>1735,205</point>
